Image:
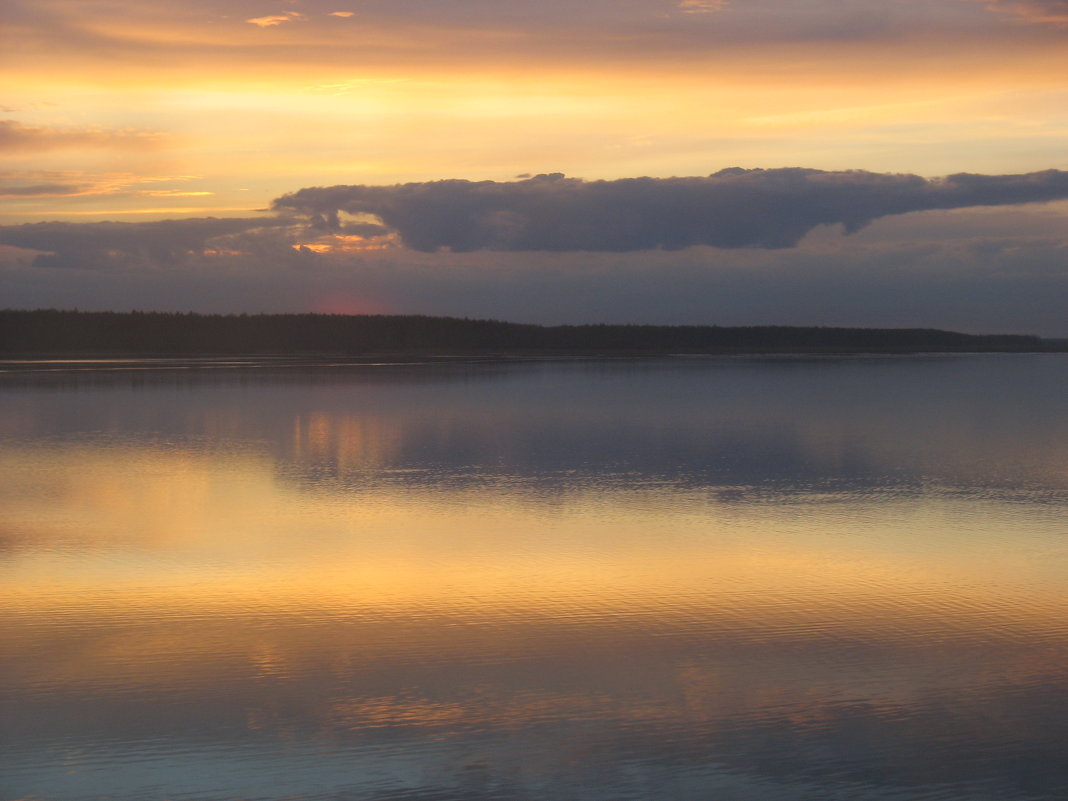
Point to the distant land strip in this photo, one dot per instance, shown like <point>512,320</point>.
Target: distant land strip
<point>58,333</point>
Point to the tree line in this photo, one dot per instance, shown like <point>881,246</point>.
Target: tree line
<point>70,333</point>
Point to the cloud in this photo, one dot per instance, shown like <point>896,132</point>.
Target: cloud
<point>973,269</point>
<point>1047,11</point>
<point>42,190</point>
<point>277,19</point>
<point>410,32</point>
<point>343,14</point>
<point>733,208</point>
<point>109,245</point>
<point>701,6</point>
<point>170,193</point>
<point>964,270</point>
<point>78,183</point>
<point>16,137</point>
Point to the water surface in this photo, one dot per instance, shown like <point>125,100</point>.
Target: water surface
<point>787,579</point>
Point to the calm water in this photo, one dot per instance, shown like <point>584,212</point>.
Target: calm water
<point>837,579</point>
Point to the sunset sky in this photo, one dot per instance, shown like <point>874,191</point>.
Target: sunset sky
<point>826,162</point>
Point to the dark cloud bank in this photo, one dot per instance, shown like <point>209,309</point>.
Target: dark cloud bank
<point>733,208</point>
<point>557,250</point>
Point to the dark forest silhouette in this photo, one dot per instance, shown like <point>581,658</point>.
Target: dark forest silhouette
<point>69,333</point>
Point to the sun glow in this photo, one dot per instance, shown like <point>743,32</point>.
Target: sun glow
<point>269,125</point>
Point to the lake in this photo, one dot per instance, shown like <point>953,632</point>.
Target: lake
<point>779,579</point>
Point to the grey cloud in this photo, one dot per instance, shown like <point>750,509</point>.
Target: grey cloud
<point>1055,11</point>
<point>733,208</point>
<point>35,190</point>
<point>979,269</point>
<point>418,32</point>
<point>601,21</point>
<point>112,244</point>
<point>971,284</point>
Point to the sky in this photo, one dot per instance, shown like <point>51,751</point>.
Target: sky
<point>805,162</point>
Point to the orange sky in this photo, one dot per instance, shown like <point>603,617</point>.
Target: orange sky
<point>146,110</point>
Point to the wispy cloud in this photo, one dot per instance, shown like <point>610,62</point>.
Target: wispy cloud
<point>1039,11</point>
<point>18,138</point>
<point>701,6</point>
<point>171,193</point>
<point>71,183</point>
<point>275,19</point>
<point>471,30</point>
<point>41,190</point>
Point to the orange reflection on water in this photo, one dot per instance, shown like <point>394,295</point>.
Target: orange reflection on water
<point>148,567</point>
<point>84,514</point>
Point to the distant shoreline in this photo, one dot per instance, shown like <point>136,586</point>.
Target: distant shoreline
<point>111,336</point>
